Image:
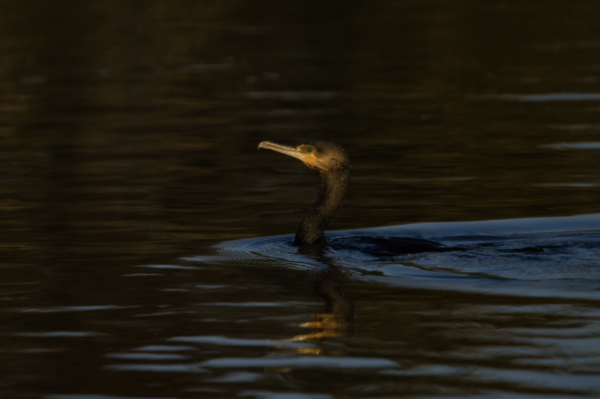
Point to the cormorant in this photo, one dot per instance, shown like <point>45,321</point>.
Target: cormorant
<point>332,163</point>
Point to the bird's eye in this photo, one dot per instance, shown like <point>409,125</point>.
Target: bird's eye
<point>309,149</point>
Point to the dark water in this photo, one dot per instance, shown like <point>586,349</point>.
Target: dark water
<point>140,229</point>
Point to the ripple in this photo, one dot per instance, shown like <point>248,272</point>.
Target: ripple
<point>301,361</point>
<point>169,267</point>
<point>219,340</point>
<point>63,334</point>
<point>86,396</point>
<point>165,348</point>
<point>291,95</point>
<point>257,304</point>
<point>582,145</point>
<point>546,97</point>
<point>574,185</point>
<point>159,368</point>
<point>145,356</point>
<point>285,395</point>
<point>211,286</point>
<point>76,309</point>
<point>576,127</point>
<point>238,377</point>
<point>276,250</point>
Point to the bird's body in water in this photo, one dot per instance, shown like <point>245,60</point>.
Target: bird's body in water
<point>332,163</point>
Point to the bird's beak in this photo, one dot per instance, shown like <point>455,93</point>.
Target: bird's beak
<point>292,151</point>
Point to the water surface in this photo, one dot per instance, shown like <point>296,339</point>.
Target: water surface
<point>146,243</point>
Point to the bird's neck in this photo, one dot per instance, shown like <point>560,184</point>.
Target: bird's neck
<point>333,188</point>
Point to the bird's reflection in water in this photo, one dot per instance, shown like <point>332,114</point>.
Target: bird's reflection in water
<point>337,318</point>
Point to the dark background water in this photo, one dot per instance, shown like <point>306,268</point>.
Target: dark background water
<point>129,134</point>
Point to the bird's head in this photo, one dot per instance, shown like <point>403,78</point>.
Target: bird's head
<point>320,155</point>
